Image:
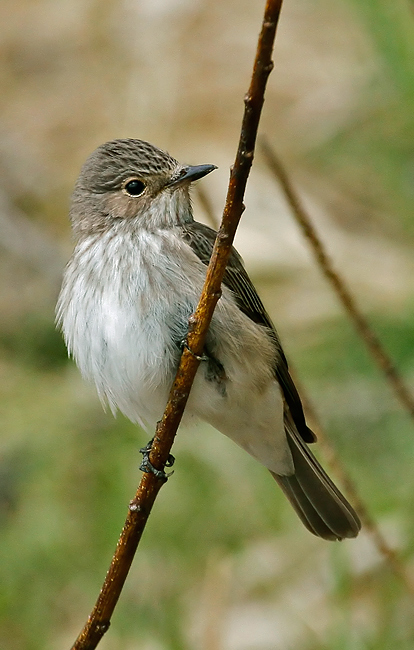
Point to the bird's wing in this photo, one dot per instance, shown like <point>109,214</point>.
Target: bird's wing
<point>201,239</point>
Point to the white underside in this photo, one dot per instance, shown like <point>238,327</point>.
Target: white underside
<point>125,303</point>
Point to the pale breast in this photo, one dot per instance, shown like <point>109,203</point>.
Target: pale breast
<point>124,309</point>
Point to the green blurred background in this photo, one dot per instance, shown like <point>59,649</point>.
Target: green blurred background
<point>224,562</point>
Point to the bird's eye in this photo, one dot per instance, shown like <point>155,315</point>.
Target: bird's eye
<point>134,187</point>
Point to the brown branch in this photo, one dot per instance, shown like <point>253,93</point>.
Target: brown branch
<point>374,345</point>
<point>141,505</point>
<point>391,557</point>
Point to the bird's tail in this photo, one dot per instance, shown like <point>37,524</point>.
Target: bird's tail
<point>317,501</point>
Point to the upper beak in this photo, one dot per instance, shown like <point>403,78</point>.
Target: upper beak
<point>193,173</point>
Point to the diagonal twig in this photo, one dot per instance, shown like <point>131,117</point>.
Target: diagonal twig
<point>140,506</point>
<point>390,555</point>
<point>374,345</point>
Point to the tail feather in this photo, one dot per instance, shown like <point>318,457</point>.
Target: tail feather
<point>317,501</point>
<point>308,515</point>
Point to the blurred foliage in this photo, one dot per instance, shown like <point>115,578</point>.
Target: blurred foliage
<point>35,342</point>
<point>373,154</point>
<point>224,563</point>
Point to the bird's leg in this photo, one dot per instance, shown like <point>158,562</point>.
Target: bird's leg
<point>147,466</point>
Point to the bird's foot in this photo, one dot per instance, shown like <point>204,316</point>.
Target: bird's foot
<point>203,357</point>
<point>147,466</point>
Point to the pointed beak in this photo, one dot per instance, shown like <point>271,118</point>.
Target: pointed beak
<point>193,173</point>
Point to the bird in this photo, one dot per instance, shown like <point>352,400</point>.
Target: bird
<point>134,279</point>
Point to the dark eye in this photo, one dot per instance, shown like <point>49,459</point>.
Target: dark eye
<point>134,187</point>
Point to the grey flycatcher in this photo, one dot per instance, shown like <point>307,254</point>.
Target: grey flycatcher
<point>135,277</point>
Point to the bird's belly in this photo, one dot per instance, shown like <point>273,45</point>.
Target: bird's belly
<point>135,356</point>
<point>123,322</point>
<point>250,413</point>
<point>138,351</point>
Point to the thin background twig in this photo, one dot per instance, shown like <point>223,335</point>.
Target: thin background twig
<point>141,505</point>
<point>374,345</point>
<point>207,206</point>
<point>390,555</point>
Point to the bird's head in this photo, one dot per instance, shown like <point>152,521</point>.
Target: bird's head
<point>129,179</point>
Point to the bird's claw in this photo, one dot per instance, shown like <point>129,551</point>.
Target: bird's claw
<point>147,466</point>
<point>203,357</point>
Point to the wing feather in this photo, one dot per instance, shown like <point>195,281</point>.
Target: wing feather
<point>201,238</point>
